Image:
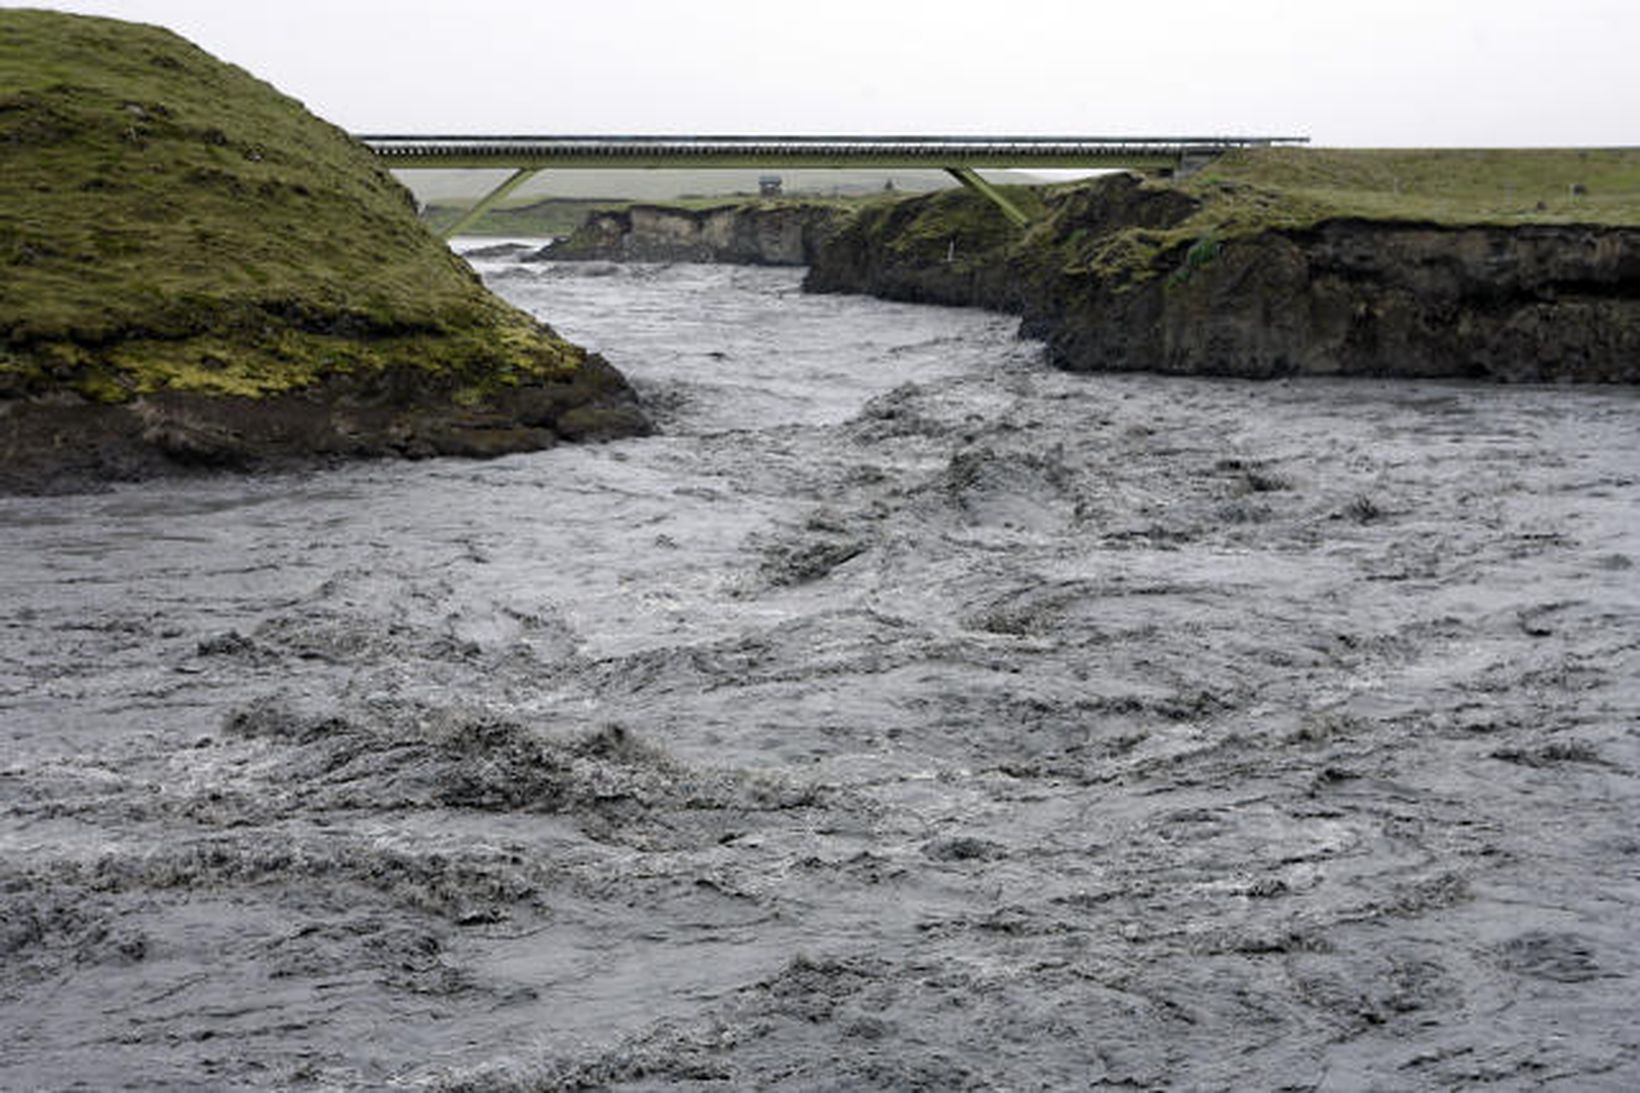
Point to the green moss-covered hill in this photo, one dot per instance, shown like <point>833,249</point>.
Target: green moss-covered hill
<point>173,230</point>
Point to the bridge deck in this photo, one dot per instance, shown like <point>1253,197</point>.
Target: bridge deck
<point>960,156</point>
<point>407,152</point>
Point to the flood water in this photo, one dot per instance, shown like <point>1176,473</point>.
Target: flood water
<point>906,715</point>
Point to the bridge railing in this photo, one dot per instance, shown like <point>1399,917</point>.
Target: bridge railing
<point>776,148</point>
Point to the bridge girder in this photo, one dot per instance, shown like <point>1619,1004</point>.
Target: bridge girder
<point>402,161</point>
<point>962,157</point>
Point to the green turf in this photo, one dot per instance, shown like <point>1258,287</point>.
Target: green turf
<point>167,220</point>
<point>1257,190</point>
<point>1444,186</point>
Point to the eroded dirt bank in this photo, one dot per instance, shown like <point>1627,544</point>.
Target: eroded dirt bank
<point>909,715</point>
<point>1103,282</point>
<point>64,443</point>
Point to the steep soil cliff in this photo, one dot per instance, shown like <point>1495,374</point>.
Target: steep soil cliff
<point>1354,297</point>
<point>1228,277</point>
<point>749,233</point>
<point>194,270</point>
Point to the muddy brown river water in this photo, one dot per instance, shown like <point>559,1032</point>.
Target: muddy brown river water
<point>906,715</point>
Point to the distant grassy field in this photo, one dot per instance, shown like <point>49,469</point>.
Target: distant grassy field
<point>462,187</point>
<point>1445,186</point>
<point>558,216</point>
<point>546,218</point>
<point>556,203</point>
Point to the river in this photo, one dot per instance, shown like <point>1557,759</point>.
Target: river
<point>904,715</point>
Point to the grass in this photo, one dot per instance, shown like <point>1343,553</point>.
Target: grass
<point>1442,186</point>
<point>955,227</point>
<point>1248,192</point>
<point>1103,234</point>
<point>169,221</point>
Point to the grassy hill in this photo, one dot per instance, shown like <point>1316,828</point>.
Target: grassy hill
<point>169,222</point>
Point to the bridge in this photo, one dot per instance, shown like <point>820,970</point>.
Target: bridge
<point>961,157</point>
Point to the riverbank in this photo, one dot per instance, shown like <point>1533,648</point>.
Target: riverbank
<point>200,273</point>
<point>1515,266</point>
<point>755,232</point>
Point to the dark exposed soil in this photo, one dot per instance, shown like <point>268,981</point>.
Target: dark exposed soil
<point>66,444</point>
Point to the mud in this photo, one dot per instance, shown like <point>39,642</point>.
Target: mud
<point>907,715</point>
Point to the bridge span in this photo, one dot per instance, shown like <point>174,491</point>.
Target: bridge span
<point>962,157</point>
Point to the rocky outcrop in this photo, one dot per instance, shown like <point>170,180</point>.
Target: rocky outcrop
<point>1109,285</point>
<point>747,233</point>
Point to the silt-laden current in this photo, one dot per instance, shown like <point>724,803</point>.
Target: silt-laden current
<point>907,715</point>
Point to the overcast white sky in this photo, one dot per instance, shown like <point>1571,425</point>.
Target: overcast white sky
<point>1344,72</point>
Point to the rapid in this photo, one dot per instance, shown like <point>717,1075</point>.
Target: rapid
<point>904,714</point>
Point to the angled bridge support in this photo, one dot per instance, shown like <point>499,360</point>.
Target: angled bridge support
<point>488,201</point>
<point>970,178</point>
